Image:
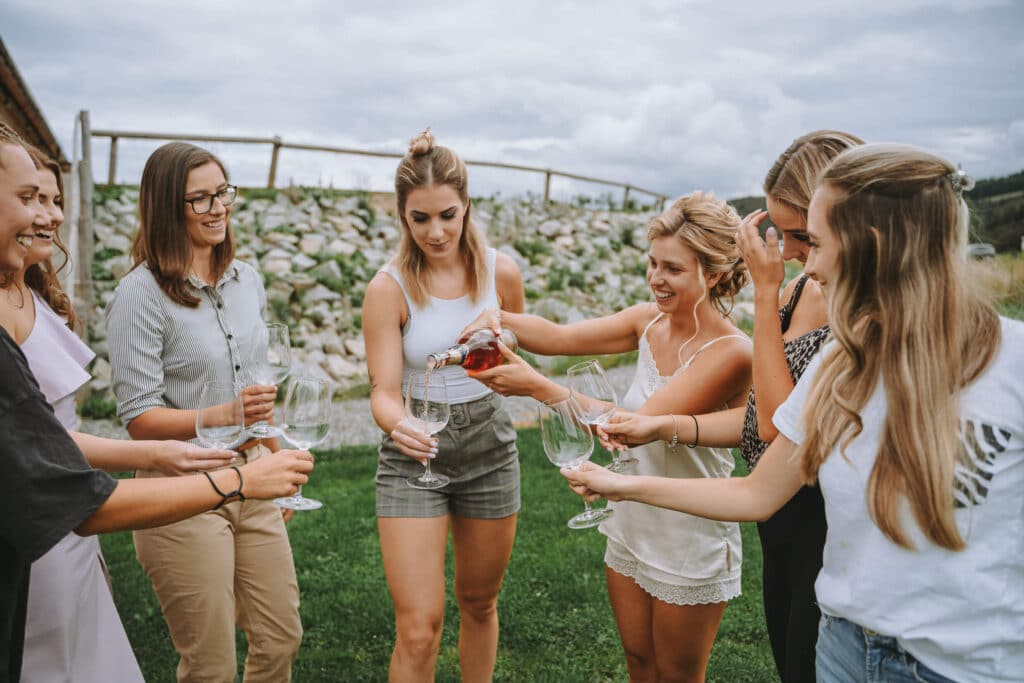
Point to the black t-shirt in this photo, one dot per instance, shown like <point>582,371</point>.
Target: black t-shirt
<point>47,489</point>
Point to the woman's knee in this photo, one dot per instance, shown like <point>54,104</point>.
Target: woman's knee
<point>480,606</point>
<point>419,636</point>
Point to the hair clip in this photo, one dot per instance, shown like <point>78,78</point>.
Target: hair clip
<point>960,181</point>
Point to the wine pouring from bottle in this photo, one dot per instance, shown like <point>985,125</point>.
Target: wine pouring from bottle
<point>476,352</point>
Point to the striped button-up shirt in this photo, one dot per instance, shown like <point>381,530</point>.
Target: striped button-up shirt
<point>162,353</point>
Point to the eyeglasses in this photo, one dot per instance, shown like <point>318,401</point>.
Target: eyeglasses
<point>205,203</point>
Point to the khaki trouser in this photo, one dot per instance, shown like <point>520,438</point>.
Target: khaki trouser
<point>218,567</point>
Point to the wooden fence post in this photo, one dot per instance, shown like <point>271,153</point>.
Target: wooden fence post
<point>547,186</point>
<point>625,199</point>
<point>273,162</point>
<point>83,259</point>
<point>112,165</point>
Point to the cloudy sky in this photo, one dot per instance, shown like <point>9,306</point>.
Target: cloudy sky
<point>670,95</point>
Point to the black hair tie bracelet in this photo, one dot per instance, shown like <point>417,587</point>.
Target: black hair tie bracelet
<point>224,497</point>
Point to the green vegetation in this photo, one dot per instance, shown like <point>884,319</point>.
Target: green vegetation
<point>101,193</point>
<point>98,406</point>
<point>532,249</point>
<point>555,621</point>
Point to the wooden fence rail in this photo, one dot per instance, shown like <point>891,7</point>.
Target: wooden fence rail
<point>278,144</point>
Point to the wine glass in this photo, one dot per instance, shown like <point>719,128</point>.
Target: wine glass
<point>427,409</point>
<point>307,422</point>
<point>594,401</point>
<point>220,420</point>
<point>569,443</point>
<point>270,361</point>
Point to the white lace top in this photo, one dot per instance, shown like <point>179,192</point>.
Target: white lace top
<point>677,557</point>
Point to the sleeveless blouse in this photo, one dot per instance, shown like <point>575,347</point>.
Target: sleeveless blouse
<point>436,327</point>
<point>799,353</point>
<point>676,557</point>
<point>72,629</point>
<point>58,359</point>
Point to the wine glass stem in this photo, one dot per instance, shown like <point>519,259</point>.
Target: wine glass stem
<point>427,474</point>
<point>586,505</point>
<point>298,494</point>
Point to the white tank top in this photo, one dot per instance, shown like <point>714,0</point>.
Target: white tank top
<point>436,326</point>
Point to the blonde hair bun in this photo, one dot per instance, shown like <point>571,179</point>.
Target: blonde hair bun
<point>422,144</point>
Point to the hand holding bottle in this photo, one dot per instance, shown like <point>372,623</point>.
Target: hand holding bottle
<point>515,377</point>
<point>489,319</point>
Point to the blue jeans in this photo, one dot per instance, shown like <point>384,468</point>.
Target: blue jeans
<point>847,653</point>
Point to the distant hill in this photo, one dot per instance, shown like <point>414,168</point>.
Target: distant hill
<point>997,210</point>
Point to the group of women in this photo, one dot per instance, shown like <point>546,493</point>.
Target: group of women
<point>878,371</point>
<point>867,373</point>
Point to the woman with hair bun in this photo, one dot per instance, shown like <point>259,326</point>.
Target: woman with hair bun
<point>443,276</point>
<point>786,338</point>
<point>669,575</point>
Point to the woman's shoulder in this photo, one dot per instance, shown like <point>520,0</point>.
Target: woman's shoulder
<point>138,280</point>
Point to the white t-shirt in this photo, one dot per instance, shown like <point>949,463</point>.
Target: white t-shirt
<point>959,613</point>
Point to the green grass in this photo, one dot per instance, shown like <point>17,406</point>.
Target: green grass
<point>556,624</point>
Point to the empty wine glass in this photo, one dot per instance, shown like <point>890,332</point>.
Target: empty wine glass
<point>569,443</point>
<point>307,422</point>
<point>220,421</point>
<point>427,409</point>
<point>269,362</point>
<point>594,400</point>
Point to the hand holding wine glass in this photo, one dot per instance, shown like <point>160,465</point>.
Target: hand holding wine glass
<point>594,400</point>
<point>427,411</point>
<point>219,420</point>
<point>568,443</point>
<point>268,365</point>
<point>307,422</point>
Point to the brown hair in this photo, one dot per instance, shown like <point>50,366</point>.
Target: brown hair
<point>427,165</point>
<point>162,241</point>
<point>907,317</point>
<point>793,176</point>
<point>42,276</point>
<point>708,226</point>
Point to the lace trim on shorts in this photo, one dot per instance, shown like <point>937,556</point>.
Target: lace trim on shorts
<point>706,594</point>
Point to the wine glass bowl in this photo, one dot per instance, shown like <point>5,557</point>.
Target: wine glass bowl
<point>269,363</point>
<point>307,422</point>
<point>220,420</point>
<point>427,410</point>
<point>594,400</point>
<point>568,443</point>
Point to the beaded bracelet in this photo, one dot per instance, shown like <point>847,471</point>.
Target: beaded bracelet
<point>675,434</point>
<point>237,493</point>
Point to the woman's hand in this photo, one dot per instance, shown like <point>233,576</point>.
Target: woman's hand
<point>258,402</point>
<point>515,377</point>
<point>489,319</point>
<point>763,259</point>
<point>593,481</point>
<point>175,458</point>
<point>626,429</point>
<point>277,475</point>
<point>414,443</point>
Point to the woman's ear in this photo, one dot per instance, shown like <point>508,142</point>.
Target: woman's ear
<point>713,280</point>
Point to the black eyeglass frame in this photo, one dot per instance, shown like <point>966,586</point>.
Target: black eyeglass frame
<point>230,193</point>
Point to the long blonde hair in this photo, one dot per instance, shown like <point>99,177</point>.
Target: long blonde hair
<point>428,165</point>
<point>792,177</point>
<point>903,311</point>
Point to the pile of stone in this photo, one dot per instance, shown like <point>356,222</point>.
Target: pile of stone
<point>318,249</point>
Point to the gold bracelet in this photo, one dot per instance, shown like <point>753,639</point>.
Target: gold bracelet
<point>675,434</point>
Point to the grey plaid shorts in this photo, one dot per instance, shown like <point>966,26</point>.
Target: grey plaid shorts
<point>477,450</point>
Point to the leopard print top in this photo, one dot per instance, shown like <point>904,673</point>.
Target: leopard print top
<point>799,353</point>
